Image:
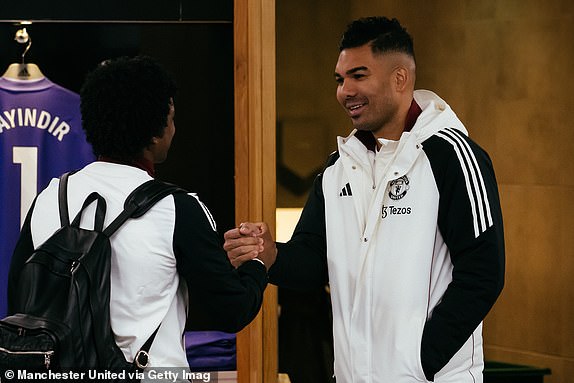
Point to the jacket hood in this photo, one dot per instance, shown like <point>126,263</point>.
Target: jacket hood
<point>436,115</point>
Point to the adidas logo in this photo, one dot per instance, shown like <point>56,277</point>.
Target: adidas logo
<point>346,192</point>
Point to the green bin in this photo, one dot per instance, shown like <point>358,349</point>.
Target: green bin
<point>499,372</point>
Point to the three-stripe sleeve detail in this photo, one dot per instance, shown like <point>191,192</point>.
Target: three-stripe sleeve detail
<point>207,212</point>
<point>475,186</point>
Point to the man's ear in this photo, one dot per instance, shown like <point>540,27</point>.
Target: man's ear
<point>401,78</point>
<point>156,139</point>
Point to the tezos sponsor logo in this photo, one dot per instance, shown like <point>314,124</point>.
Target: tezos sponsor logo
<point>395,210</point>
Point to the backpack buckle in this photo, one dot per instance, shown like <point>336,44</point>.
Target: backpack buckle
<point>142,359</point>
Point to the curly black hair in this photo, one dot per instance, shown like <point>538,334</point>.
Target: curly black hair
<point>124,104</point>
<point>384,35</point>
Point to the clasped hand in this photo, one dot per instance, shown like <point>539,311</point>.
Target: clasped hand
<point>250,241</point>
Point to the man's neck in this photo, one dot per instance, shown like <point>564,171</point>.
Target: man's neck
<point>142,163</point>
<point>394,132</point>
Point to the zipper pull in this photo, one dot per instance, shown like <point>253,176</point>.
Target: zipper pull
<point>47,360</point>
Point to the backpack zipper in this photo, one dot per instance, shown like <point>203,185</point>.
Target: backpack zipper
<point>47,354</point>
<point>74,267</point>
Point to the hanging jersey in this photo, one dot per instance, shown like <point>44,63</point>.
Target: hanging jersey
<point>41,137</point>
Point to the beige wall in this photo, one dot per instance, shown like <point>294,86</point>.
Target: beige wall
<point>506,67</point>
<point>307,40</point>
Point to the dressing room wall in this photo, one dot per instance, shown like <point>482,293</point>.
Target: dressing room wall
<point>504,66</point>
<point>193,41</point>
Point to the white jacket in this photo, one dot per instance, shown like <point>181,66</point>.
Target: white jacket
<point>414,252</point>
<point>158,261</point>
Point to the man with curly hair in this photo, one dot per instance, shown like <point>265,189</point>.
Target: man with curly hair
<point>172,255</point>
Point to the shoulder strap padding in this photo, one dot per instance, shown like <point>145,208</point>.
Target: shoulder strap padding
<point>138,202</point>
<point>141,200</point>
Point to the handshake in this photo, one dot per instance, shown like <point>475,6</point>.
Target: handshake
<point>250,241</point>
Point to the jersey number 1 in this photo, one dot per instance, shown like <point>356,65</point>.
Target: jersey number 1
<point>27,157</point>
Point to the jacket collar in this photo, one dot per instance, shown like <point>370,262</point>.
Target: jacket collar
<point>141,163</point>
<point>370,141</point>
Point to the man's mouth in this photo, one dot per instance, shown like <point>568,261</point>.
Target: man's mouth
<point>355,109</point>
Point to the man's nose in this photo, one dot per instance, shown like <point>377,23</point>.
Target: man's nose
<point>347,89</point>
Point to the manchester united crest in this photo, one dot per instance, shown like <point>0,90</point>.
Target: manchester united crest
<point>398,188</point>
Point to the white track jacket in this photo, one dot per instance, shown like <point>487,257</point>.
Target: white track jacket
<point>169,259</point>
<point>413,251</point>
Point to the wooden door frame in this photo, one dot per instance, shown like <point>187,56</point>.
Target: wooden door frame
<point>255,190</point>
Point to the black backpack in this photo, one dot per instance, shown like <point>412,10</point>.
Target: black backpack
<point>63,296</point>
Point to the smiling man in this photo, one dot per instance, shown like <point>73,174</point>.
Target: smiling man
<point>404,224</point>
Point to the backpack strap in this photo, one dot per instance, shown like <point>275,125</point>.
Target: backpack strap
<point>137,204</point>
<point>141,360</point>
<point>141,200</point>
<point>63,206</point>
<point>63,200</point>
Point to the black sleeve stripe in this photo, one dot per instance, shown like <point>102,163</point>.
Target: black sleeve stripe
<point>478,198</point>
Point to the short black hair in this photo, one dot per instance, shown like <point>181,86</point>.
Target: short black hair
<point>384,35</point>
<point>124,104</point>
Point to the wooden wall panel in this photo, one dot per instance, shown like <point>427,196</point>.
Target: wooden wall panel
<point>254,31</point>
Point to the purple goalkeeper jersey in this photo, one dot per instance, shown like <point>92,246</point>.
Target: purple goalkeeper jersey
<point>41,137</point>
